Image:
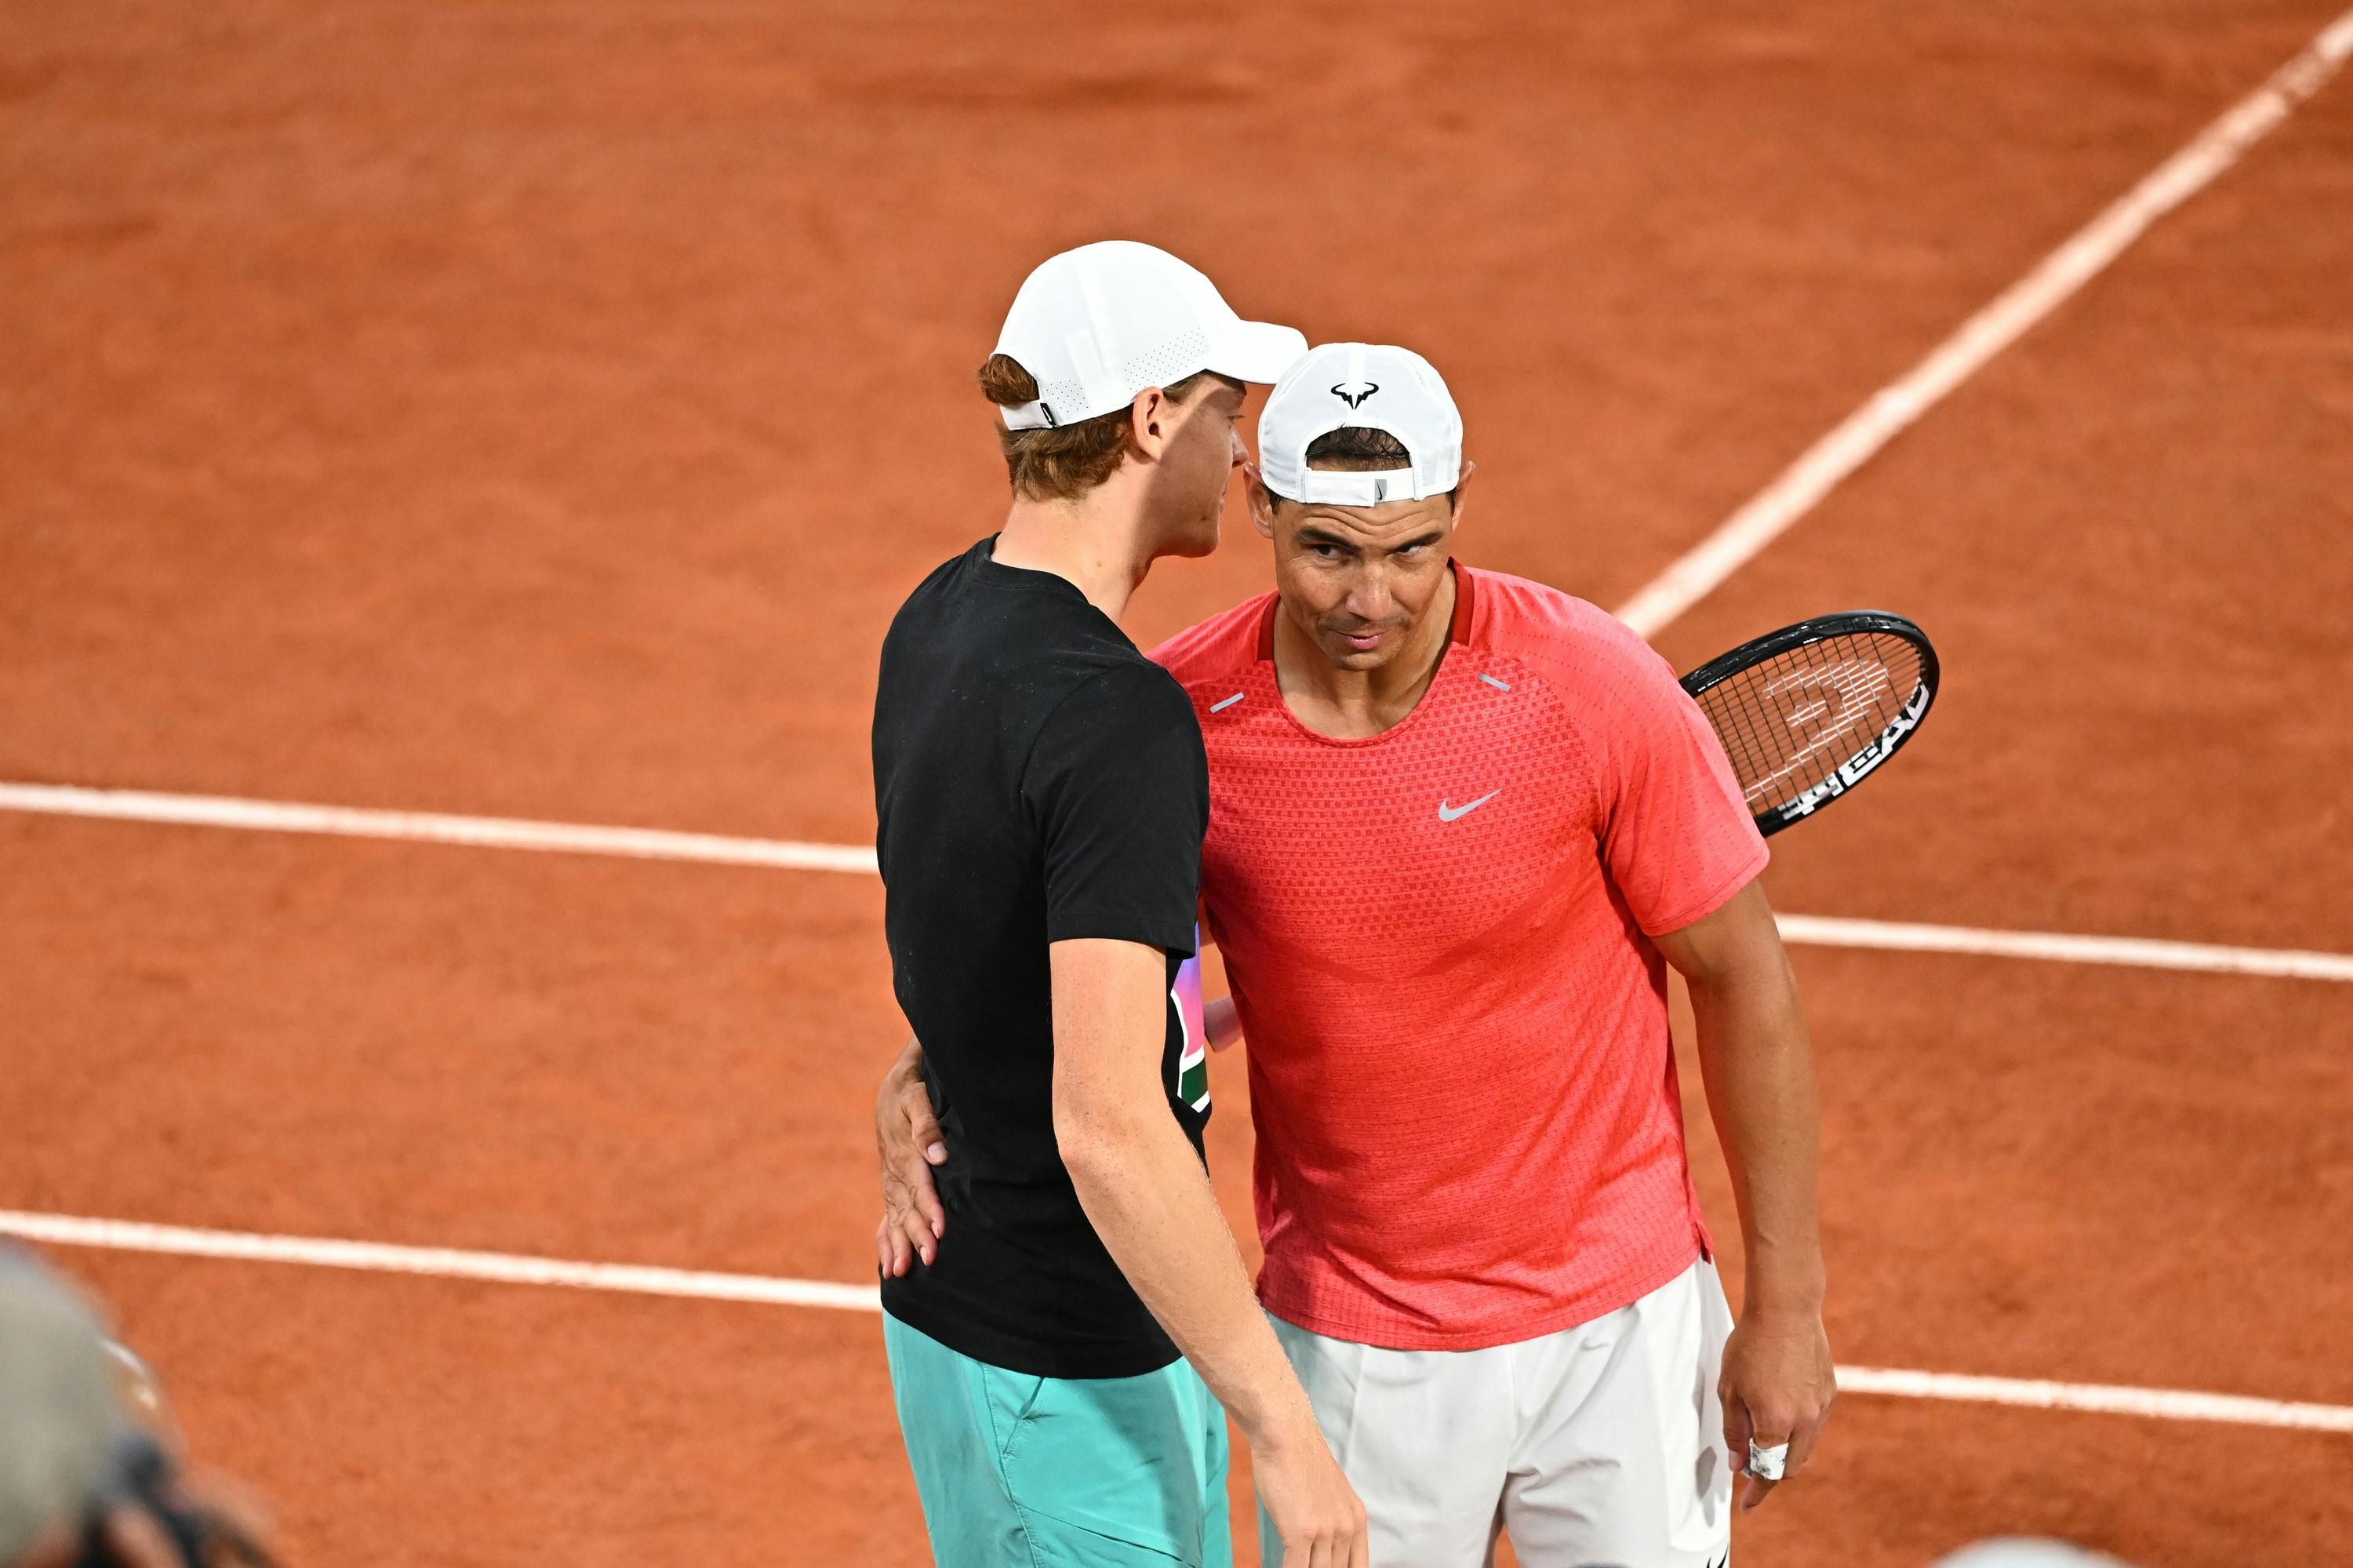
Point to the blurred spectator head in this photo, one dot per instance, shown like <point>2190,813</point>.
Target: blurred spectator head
<point>2019,1552</point>
<point>89,1463</point>
<point>61,1409</point>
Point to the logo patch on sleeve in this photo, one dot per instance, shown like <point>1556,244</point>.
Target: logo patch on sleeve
<point>1193,1062</point>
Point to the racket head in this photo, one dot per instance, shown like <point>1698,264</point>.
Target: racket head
<point>1806,713</point>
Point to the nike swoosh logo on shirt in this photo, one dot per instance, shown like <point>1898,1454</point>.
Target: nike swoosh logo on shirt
<point>1447,813</point>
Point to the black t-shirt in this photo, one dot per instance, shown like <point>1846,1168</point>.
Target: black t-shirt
<point>1037,779</point>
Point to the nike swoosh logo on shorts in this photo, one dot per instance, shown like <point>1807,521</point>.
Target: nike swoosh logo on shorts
<point>1447,813</point>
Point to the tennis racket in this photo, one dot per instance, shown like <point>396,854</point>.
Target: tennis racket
<point>1806,713</point>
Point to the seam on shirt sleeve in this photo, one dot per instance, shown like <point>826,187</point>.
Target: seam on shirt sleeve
<point>1028,755</point>
<point>1717,898</point>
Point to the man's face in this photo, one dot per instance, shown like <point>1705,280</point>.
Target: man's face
<point>1358,578</point>
<point>1205,446</point>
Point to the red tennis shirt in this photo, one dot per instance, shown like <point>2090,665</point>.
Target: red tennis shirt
<point>1469,1128</point>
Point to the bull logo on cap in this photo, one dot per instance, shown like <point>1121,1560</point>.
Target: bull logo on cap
<point>1354,393</point>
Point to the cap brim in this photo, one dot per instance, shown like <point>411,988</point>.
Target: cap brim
<point>1257,350</point>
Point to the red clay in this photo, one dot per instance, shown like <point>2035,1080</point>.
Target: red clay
<point>504,410</point>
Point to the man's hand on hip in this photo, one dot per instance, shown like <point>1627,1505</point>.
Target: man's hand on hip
<point>1777,1387</point>
<point>907,1137</point>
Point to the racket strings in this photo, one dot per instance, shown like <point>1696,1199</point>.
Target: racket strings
<point>1791,720</point>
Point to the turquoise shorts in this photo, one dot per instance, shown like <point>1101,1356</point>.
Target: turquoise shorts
<point>1020,1471</point>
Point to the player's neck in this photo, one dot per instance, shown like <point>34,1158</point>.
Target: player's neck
<point>1098,548</point>
<point>1357,704</point>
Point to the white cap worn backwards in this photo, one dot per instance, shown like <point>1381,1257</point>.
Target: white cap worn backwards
<point>1369,386</point>
<point>1097,326</point>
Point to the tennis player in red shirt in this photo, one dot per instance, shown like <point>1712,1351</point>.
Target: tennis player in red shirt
<point>1460,824</point>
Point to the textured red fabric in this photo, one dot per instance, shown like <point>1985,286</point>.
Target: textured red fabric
<point>1469,1129</point>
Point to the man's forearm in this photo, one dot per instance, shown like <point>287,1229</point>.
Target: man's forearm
<point>1146,1194</point>
<point>1778,1379</point>
<point>1757,1067</point>
<point>1148,1198</point>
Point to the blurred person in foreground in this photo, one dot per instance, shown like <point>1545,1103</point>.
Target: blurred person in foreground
<point>1461,825</point>
<point>1040,794</point>
<point>2024,1551</point>
<point>85,1480</point>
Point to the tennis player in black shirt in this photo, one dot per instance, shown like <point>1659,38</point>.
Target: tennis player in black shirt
<point>1060,1353</point>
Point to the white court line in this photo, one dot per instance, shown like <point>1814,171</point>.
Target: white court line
<point>2108,1399</point>
<point>510,1268</point>
<point>2140,952</point>
<point>441,1262</point>
<point>2084,257</point>
<point>430,827</point>
<point>503,832</point>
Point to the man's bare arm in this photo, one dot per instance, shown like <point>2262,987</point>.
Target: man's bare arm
<point>1757,1067</point>
<point>1148,1198</point>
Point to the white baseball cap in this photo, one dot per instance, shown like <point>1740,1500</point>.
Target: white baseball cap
<point>1097,326</point>
<point>1370,386</point>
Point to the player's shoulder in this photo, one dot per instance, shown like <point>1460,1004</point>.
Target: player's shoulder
<point>1117,674</point>
<point>1117,705</point>
<point>1559,634</point>
<point>1210,649</point>
<point>1607,680</point>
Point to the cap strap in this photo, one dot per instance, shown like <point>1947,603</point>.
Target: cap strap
<point>1337,487</point>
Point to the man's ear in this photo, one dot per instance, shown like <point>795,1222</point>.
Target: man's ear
<point>1460,485</point>
<point>1262,505</point>
<point>1149,421</point>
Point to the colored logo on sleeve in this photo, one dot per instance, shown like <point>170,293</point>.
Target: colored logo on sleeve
<point>1193,1062</point>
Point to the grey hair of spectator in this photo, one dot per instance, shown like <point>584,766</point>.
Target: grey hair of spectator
<point>60,1405</point>
<point>2018,1551</point>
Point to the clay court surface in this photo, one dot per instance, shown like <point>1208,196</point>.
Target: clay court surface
<point>537,411</point>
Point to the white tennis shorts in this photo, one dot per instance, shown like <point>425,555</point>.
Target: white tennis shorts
<point>1598,1446</point>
